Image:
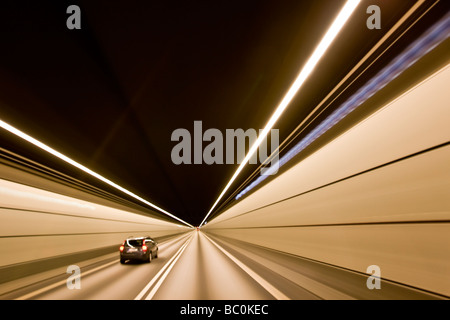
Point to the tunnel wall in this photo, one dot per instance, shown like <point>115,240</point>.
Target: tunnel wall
<point>37,224</point>
<point>379,194</point>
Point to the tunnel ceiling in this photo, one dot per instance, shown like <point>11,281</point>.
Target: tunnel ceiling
<point>110,94</point>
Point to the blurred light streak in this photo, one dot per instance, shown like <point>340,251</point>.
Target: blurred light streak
<point>319,51</point>
<point>65,158</point>
<point>27,196</point>
<point>427,42</point>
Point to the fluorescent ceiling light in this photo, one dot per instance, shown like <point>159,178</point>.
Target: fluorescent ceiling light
<point>419,48</point>
<point>59,155</point>
<point>326,41</point>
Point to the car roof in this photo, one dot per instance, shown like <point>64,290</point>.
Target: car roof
<point>138,238</point>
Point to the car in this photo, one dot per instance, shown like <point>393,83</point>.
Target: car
<point>138,248</point>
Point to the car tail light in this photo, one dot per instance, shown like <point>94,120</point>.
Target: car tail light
<point>121,248</point>
<point>144,248</point>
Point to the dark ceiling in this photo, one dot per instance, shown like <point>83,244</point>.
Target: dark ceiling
<point>111,94</point>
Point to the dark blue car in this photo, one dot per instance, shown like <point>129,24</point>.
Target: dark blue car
<point>142,248</point>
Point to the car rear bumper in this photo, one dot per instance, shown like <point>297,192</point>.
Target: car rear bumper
<point>134,256</point>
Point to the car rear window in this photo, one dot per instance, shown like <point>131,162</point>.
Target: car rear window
<point>135,243</point>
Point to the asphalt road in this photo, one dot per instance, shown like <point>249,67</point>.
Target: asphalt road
<point>199,266</point>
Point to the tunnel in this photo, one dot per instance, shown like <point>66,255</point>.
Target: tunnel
<point>237,151</point>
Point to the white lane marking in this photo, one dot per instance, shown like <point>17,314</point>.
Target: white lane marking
<point>163,277</point>
<point>266,285</point>
<point>150,284</point>
<point>62,282</point>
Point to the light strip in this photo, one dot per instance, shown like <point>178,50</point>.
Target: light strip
<point>427,42</point>
<point>320,50</point>
<point>59,155</point>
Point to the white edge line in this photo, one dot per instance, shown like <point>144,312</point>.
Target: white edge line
<point>266,285</point>
<point>150,284</point>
